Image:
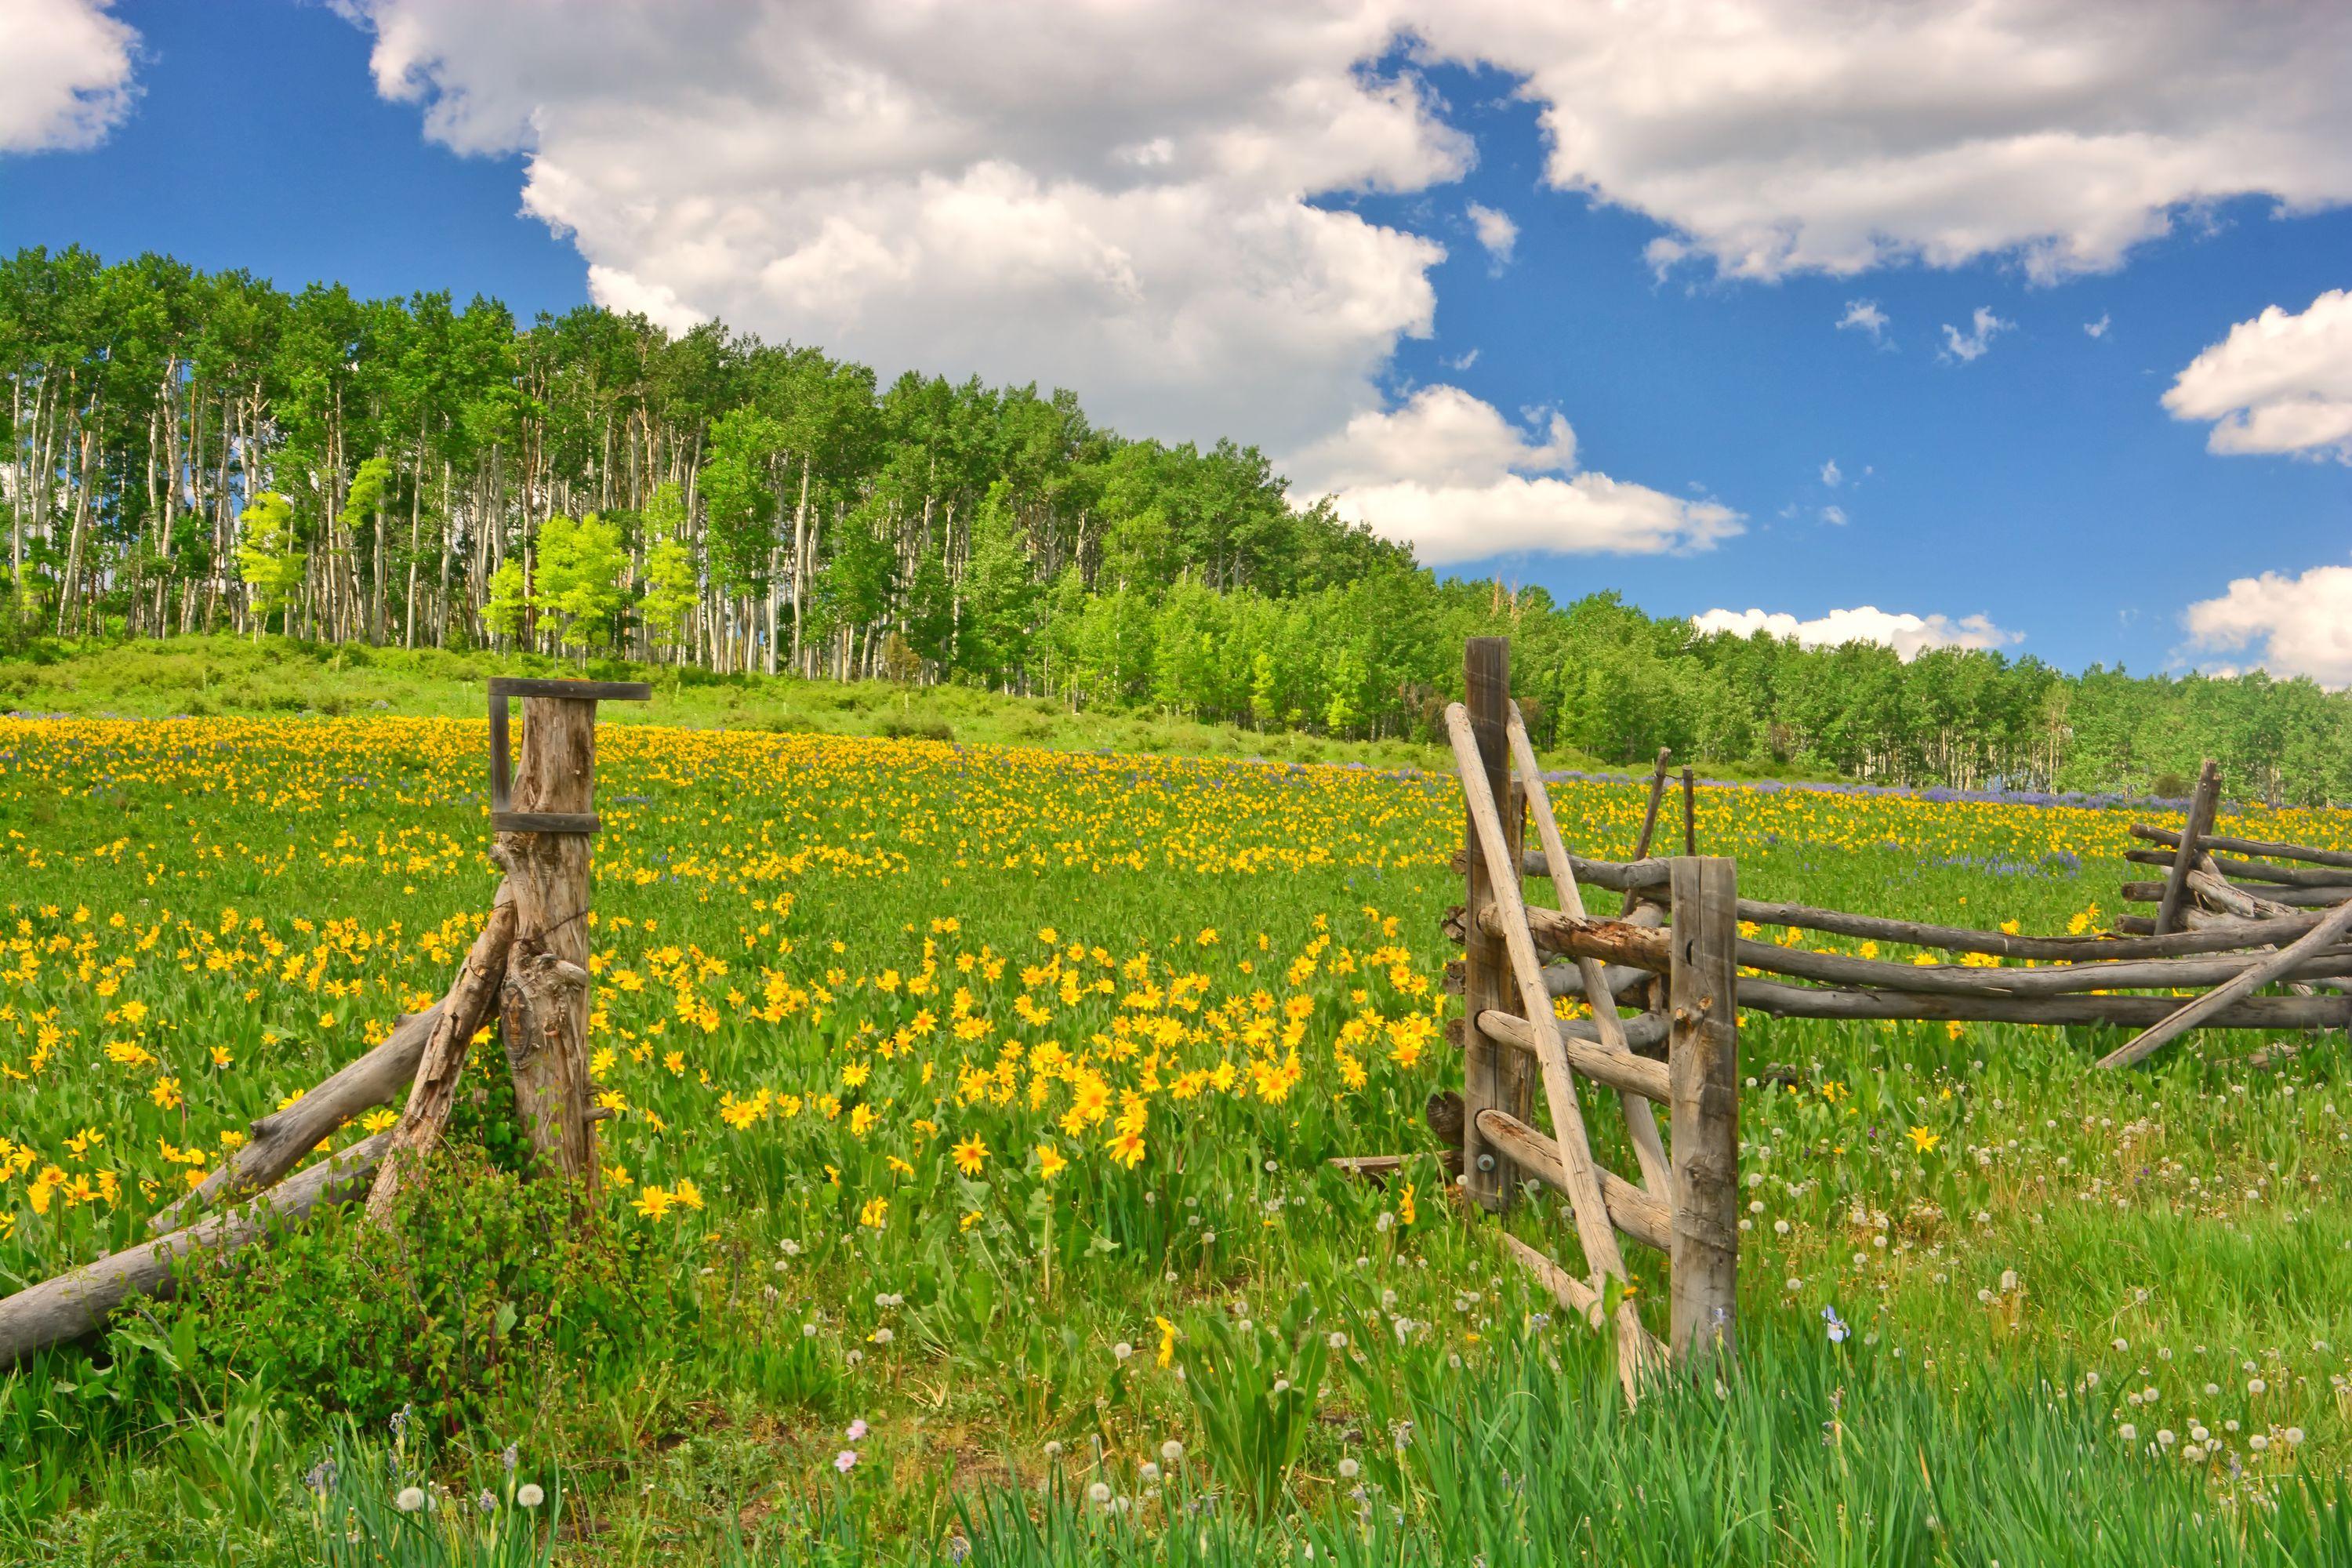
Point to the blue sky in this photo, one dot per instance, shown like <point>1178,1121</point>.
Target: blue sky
<point>2041,485</point>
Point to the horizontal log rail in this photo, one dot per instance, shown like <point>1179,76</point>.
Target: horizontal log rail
<point>1619,1069</point>
<point>2259,893</point>
<point>1944,938</point>
<point>2210,841</point>
<point>1611,942</point>
<point>2255,870</point>
<point>1784,1001</point>
<point>1645,1032</point>
<point>1631,1209</point>
<point>2061,980</point>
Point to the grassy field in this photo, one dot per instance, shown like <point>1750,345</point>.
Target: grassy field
<point>965,1193</point>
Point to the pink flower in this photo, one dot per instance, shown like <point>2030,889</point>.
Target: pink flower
<point>843,1460</point>
<point>857,1430</point>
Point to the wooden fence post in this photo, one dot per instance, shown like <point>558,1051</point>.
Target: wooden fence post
<point>1495,1077</point>
<point>1703,1070</point>
<point>2201,809</point>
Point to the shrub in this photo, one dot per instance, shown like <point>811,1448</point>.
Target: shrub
<point>483,1286</point>
<point>899,726</point>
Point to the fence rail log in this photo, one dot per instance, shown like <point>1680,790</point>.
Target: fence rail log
<point>79,1301</point>
<point>1956,980</point>
<point>1620,1069</point>
<point>2211,841</point>
<point>1782,1001</point>
<point>2199,822</point>
<point>2247,901</point>
<point>1630,1209</point>
<point>1554,932</point>
<point>2255,870</point>
<point>1645,1034</point>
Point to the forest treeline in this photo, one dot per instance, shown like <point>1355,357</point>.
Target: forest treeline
<point>192,452</point>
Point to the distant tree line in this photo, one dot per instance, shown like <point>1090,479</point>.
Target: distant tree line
<point>193,452</point>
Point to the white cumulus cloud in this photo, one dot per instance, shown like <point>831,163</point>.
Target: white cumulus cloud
<point>2276,383</point>
<point>1449,475</point>
<point>65,73</point>
<point>1908,635</point>
<point>1864,316</point>
<point>1778,136</point>
<point>2291,625</point>
<point>1111,198</point>
<point>1497,233</point>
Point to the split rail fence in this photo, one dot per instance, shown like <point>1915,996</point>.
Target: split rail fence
<point>2227,928</point>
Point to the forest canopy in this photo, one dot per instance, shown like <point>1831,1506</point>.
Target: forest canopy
<point>205,452</point>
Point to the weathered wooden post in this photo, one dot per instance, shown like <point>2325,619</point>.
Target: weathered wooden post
<point>1703,1073</point>
<point>1495,1077</point>
<point>2202,807</point>
<point>543,837</point>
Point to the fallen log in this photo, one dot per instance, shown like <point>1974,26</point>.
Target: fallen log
<point>80,1301</point>
<point>280,1139</point>
<point>2248,847</point>
<point>2238,990</point>
<point>1777,1000</point>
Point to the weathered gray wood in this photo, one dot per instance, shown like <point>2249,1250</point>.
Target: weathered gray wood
<point>2303,852</point>
<point>502,757</point>
<point>279,1141</point>
<point>471,1001</point>
<point>1633,876</point>
<point>544,997</point>
<point>2255,871</point>
<point>1702,1059</point>
<point>1492,1076</point>
<point>1690,814</point>
<point>2202,808</point>
<point>1629,1208</point>
<point>1646,1033</point>
<point>1579,936</point>
<point>1958,980</point>
<point>1616,1066</point>
<point>1641,1120</point>
<point>1961,939</point>
<point>2219,999</point>
<point>1649,822</point>
<point>1566,1289</point>
<point>1784,1001</point>
<point>581,822</point>
<point>573,690</point>
<point>79,1301</point>
<point>1636,1352</point>
<point>2240,898</point>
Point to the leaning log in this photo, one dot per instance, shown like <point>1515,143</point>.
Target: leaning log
<point>471,1003</point>
<point>280,1139</point>
<point>2060,980</point>
<point>2238,990</point>
<point>2201,809</point>
<point>79,1302</point>
<point>1630,1209</point>
<point>2255,901</point>
<point>1577,936</point>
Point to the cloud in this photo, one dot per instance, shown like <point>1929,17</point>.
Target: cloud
<point>1778,136</point>
<point>1864,315</point>
<point>2098,329</point>
<point>1831,475</point>
<point>1449,475</point>
<point>2293,626</point>
<point>1834,516</point>
<point>65,73</point>
<point>1971,345</point>
<point>1908,635</point>
<point>1115,199</point>
<point>2276,383</point>
<point>1497,233</point>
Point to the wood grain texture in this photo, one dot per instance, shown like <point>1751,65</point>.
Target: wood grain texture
<point>2202,808</point>
<point>1702,1060</point>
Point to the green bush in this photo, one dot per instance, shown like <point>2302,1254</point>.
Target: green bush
<point>482,1287</point>
<point>899,727</point>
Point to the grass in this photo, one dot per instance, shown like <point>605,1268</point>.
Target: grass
<point>825,963</point>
